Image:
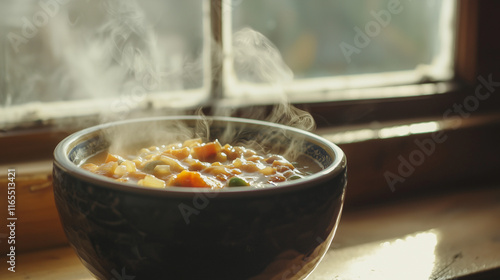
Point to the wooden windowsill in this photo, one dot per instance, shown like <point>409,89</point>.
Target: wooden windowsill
<point>447,236</point>
<point>452,235</point>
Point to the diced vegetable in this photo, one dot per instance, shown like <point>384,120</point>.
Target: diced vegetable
<point>137,175</point>
<point>150,166</point>
<point>195,165</point>
<point>173,163</point>
<point>207,151</point>
<point>237,182</point>
<point>178,153</point>
<point>130,165</point>
<point>107,169</point>
<point>221,157</point>
<point>272,158</point>
<point>90,167</point>
<point>230,152</point>
<point>120,170</point>
<point>192,142</point>
<point>268,170</point>
<point>115,158</point>
<point>277,178</point>
<point>295,177</point>
<point>193,179</point>
<point>238,163</point>
<point>198,165</point>
<point>283,165</point>
<point>249,167</point>
<point>216,169</point>
<point>162,171</point>
<point>151,181</point>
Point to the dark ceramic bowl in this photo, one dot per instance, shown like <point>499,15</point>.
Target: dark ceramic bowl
<point>123,231</point>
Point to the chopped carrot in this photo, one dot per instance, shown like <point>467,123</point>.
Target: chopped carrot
<point>190,179</point>
<point>194,180</point>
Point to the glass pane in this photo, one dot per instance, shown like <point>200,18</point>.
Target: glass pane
<point>60,50</point>
<point>326,38</point>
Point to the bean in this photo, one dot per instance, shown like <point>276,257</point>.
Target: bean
<point>237,182</point>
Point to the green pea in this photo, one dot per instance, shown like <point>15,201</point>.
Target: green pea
<point>295,177</point>
<point>237,182</point>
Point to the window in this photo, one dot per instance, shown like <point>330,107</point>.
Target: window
<point>63,58</point>
<point>337,45</point>
<point>78,58</point>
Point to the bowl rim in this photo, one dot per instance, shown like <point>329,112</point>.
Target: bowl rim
<point>62,161</point>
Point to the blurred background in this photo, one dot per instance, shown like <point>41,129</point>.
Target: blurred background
<point>130,53</point>
<point>377,77</point>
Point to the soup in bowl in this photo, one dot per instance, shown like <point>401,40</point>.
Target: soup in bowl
<point>199,198</point>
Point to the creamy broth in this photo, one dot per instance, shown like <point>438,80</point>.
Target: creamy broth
<point>194,163</point>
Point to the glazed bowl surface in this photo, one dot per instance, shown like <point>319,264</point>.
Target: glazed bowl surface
<point>124,231</point>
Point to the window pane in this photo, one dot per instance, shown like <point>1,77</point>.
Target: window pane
<point>331,38</point>
<point>60,50</point>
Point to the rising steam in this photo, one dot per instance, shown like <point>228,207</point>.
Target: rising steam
<point>110,50</point>
<point>255,60</point>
